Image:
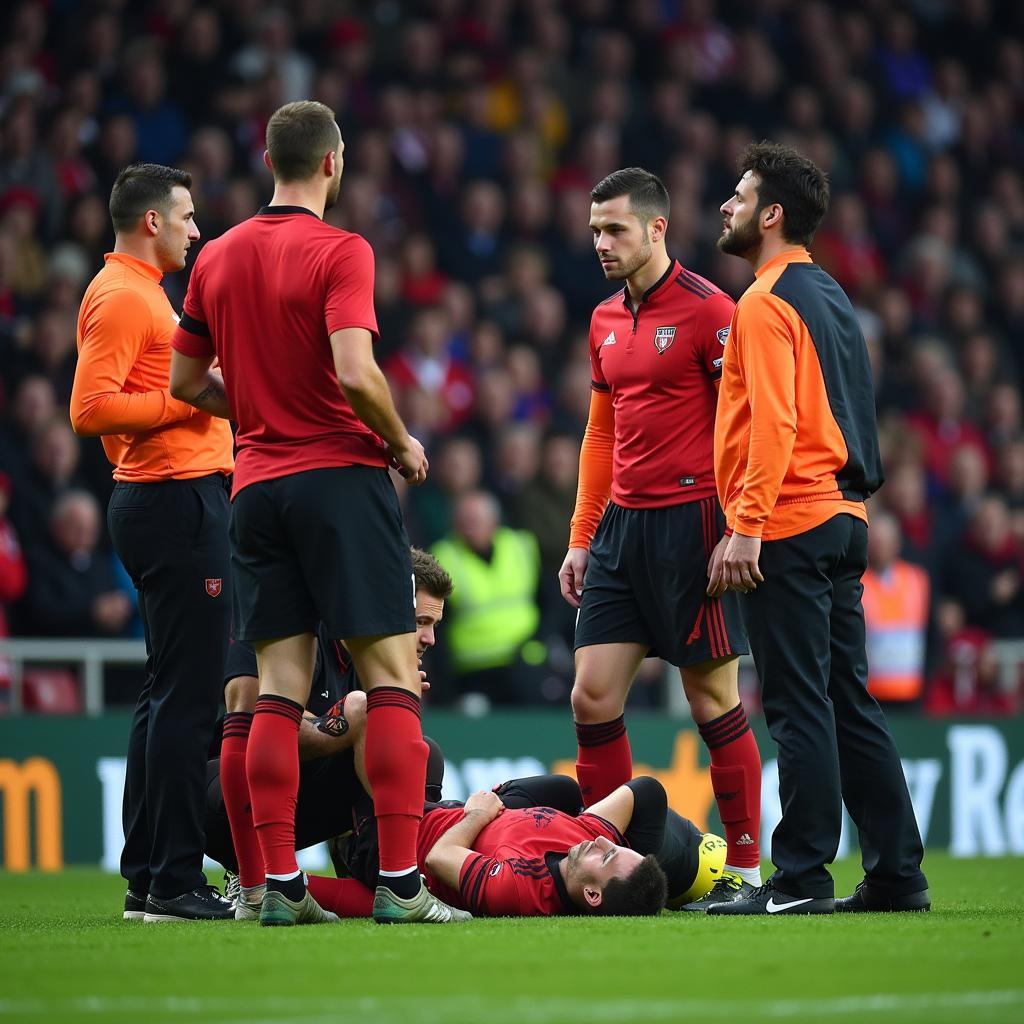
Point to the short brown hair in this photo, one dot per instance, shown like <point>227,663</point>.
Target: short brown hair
<point>642,893</point>
<point>142,187</point>
<point>792,180</point>
<point>431,575</point>
<point>648,197</point>
<point>299,136</point>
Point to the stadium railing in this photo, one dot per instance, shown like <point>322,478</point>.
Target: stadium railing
<point>91,655</point>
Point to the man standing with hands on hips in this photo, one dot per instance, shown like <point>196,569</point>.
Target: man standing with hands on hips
<point>796,455</point>
<point>168,519</point>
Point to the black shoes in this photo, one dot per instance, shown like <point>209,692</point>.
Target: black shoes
<point>768,900</point>
<point>134,906</point>
<point>865,900</point>
<point>202,904</point>
<point>730,888</point>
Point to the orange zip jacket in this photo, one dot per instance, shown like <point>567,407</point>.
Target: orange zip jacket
<point>796,441</point>
<point>125,325</point>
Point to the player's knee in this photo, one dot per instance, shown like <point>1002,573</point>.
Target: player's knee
<point>240,694</point>
<point>594,703</point>
<point>355,710</point>
<point>711,689</point>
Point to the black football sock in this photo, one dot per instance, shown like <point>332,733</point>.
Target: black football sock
<point>291,888</point>
<point>404,886</point>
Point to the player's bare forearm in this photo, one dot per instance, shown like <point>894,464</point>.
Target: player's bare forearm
<point>323,737</point>
<point>445,860</point>
<point>370,398</point>
<point>212,397</point>
<point>194,381</point>
<point>449,853</point>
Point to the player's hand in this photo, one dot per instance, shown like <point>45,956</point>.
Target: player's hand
<point>716,570</point>
<point>570,576</point>
<point>424,685</point>
<point>739,563</point>
<point>411,462</point>
<point>486,803</point>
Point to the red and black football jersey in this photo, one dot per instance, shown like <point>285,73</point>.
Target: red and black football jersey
<point>514,870</point>
<point>660,364</point>
<point>265,297</point>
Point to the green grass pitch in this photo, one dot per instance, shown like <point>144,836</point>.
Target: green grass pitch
<point>66,956</point>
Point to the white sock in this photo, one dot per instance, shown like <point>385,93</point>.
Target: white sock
<point>752,876</point>
<point>397,874</point>
<point>285,878</point>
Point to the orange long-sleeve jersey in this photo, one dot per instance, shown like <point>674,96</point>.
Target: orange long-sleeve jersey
<point>125,325</point>
<point>796,441</point>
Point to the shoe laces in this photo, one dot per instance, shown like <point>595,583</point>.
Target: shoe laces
<point>211,893</point>
<point>232,885</point>
<point>729,881</point>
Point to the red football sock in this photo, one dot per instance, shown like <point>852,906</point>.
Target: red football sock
<point>272,767</point>
<point>343,896</point>
<point>604,760</point>
<point>736,776</point>
<point>235,786</point>
<point>396,767</point>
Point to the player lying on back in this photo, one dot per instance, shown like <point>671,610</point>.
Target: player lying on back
<point>508,853</point>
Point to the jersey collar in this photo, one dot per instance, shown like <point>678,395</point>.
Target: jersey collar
<point>282,211</point>
<point>552,862</point>
<point>655,289</point>
<point>134,263</point>
<point>789,256</point>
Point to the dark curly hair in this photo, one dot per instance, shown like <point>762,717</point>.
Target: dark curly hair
<point>793,181</point>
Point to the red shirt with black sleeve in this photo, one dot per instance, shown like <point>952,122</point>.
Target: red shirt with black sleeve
<point>265,298</point>
<point>514,871</point>
<point>660,365</point>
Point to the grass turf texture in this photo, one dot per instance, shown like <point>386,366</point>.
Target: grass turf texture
<point>65,955</point>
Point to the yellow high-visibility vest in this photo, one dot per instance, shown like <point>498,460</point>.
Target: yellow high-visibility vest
<point>493,607</point>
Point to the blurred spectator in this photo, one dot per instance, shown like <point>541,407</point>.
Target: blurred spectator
<point>52,473</point>
<point>34,404</point>
<point>13,577</point>
<point>968,680</point>
<point>426,362</point>
<point>942,424</point>
<point>456,469</point>
<point>71,589</point>
<point>492,614</point>
<point>984,575</point>
<point>896,602</point>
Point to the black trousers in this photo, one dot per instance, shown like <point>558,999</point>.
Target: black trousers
<point>806,628</point>
<point>173,539</point>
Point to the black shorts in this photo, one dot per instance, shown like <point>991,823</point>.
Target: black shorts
<point>327,544</point>
<point>240,661</point>
<point>646,583</point>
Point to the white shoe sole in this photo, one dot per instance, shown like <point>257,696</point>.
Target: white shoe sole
<point>134,915</point>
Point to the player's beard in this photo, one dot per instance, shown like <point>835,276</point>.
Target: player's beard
<point>625,269</point>
<point>743,241</point>
<point>332,191</point>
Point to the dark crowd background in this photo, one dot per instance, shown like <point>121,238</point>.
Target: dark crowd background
<point>474,132</point>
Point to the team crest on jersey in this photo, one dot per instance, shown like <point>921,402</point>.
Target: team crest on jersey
<point>214,587</point>
<point>663,338</point>
<point>723,334</point>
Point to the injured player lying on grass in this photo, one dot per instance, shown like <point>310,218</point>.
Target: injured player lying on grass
<point>526,849</point>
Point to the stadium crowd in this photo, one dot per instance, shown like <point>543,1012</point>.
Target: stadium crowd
<point>474,132</point>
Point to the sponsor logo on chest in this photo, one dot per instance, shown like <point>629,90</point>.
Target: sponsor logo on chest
<point>663,338</point>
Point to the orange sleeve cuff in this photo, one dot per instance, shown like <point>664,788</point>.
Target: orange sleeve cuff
<point>595,483</point>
